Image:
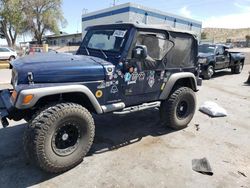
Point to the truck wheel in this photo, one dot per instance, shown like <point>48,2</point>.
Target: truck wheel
<point>209,72</point>
<point>178,110</point>
<point>59,137</point>
<point>12,58</point>
<point>233,70</point>
<point>238,68</point>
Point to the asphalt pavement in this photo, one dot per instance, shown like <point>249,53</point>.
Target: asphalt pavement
<point>137,151</point>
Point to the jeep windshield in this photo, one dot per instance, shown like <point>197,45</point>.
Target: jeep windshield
<point>206,49</point>
<point>108,40</point>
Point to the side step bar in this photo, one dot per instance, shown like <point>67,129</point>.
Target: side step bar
<point>113,107</point>
<point>141,107</point>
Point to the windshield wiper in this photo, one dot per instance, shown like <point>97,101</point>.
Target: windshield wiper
<point>86,49</point>
<point>103,53</point>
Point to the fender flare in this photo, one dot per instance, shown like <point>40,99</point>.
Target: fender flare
<point>38,93</point>
<point>211,62</point>
<point>173,79</point>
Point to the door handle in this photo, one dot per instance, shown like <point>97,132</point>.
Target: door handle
<point>158,72</point>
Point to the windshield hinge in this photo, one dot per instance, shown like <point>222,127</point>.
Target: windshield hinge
<point>30,78</point>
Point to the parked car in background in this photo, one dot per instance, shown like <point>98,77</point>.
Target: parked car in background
<point>229,45</point>
<point>7,54</point>
<point>214,57</point>
<point>38,50</point>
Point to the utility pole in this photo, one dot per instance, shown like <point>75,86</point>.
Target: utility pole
<point>84,11</point>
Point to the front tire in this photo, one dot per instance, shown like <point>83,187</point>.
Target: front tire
<point>178,110</point>
<point>209,72</point>
<point>59,137</point>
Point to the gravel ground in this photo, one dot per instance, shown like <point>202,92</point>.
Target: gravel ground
<point>137,151</point>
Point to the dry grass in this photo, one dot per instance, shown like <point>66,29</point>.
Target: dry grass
<point>4,64</point>
<point>221,35</point>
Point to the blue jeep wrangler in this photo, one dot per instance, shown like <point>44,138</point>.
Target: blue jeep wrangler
<point>119,68</point>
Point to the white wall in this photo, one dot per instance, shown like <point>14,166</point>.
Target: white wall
<point>134,17</point>
<point>105,20</point>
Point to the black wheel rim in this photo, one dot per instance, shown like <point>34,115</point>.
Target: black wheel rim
<point>182,110</point>
<point>66,138</point>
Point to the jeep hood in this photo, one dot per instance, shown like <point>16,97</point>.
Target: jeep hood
<point>59,68</point>
<point>204,55</point>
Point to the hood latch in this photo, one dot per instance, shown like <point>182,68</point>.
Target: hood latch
<point>30,78</point>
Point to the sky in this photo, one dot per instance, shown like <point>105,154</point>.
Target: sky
<point>212,13</point>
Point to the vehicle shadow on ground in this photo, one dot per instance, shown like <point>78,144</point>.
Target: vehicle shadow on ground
<point>221,73</point>
<point>15,171</point>
<point>116,131</point>
<point>112,132</point>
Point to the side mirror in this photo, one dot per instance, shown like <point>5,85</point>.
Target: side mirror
<point>140,52</point>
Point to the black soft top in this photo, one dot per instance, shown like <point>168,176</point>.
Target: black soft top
<point>162,27</point>
<point>182,55</point>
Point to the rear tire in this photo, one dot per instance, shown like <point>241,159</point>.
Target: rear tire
<point>238,68</point>
<point>233,70</point>
<point>59,137</point>
<point>209,72</point>
<point>178,110</point>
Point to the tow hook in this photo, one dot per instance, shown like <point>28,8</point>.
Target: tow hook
<point>4,122</point>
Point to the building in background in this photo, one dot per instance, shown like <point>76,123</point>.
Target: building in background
<point>63,39</point>
<point>134,13</point>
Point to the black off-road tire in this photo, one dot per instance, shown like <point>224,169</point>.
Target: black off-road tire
<point>238,68</point>
<point>178,110</point>
<point>45,142</point>
<point>233,70</point>
<point>209,72</point>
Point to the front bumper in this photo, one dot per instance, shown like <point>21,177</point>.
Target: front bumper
<point>6,106</point>
<point>199,81</point>
<point>203,68</point>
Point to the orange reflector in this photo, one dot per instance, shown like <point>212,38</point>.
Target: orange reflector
<point>14,95</point>
<point>27,99</point>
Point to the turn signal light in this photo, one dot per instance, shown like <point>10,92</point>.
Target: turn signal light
<point>27,99</point>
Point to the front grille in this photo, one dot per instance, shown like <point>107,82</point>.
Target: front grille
<point>12,77</point>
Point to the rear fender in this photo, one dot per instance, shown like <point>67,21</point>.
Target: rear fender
<point>187,77</point>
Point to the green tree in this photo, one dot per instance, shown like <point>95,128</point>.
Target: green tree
<point>43,16</point>
<point>1,33</point>
<point>248,40</point>
<point>12,20</point>
<point>203,35</point>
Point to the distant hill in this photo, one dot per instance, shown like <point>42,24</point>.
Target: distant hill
<point>221,35</point>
